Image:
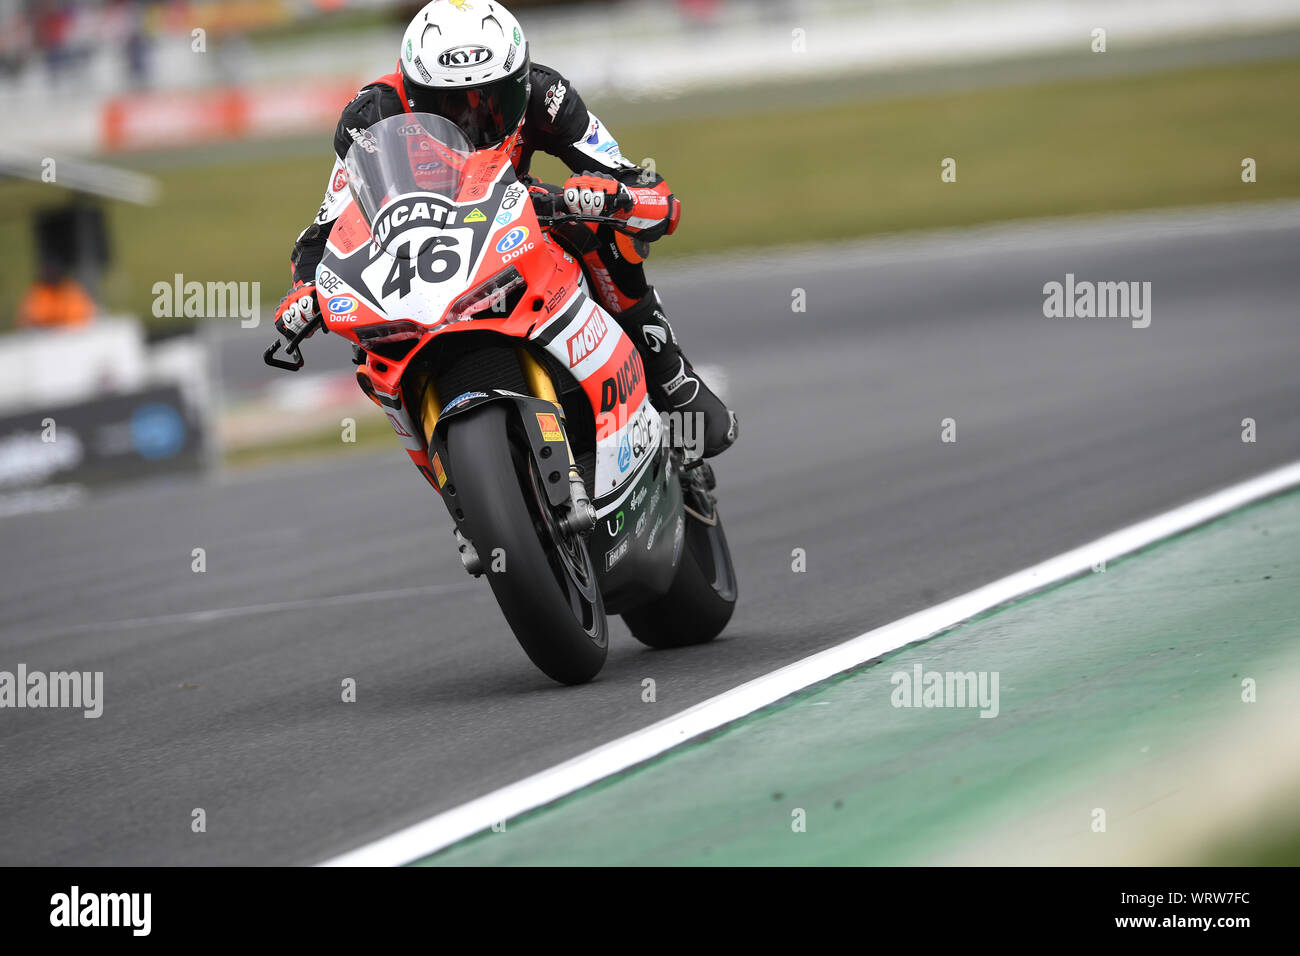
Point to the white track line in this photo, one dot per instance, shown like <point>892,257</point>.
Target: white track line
<point>444,829</point>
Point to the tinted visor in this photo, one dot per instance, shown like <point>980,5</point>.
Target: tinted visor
<point>486,114</point>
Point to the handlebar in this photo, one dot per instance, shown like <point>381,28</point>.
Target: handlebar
<point>545,205</point>
<point>576,217</point>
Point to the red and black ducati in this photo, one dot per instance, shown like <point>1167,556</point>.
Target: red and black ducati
<point>519,399</point>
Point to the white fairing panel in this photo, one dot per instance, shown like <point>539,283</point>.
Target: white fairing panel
<point>626,451</point>
<point>337,195</point>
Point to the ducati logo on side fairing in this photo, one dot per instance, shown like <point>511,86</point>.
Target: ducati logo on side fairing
<point>617,390</point>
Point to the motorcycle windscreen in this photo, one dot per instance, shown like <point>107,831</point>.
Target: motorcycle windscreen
<point>414,154</point>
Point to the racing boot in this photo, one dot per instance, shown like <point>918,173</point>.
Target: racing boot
<point>673,384</point>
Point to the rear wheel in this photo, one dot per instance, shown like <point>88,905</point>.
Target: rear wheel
<point>542,577</point>
<point>703,594</point>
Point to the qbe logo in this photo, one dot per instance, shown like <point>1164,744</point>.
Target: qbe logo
<point>512,239</point>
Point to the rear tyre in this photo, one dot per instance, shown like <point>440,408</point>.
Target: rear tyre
<point>547,588</point>
<point>703,594</point>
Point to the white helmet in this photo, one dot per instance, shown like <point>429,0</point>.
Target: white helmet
<point>467,60</point>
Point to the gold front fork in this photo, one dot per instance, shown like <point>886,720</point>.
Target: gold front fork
<point>430,407</point>
<point>540,384</point>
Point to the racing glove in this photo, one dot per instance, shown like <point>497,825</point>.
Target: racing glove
<point>297,309</point>
<point>649,211</point>
<point>596,194</point>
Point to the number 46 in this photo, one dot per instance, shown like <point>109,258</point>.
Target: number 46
<point>436,261</point>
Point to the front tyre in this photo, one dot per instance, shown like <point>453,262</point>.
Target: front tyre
<point>546,585</point>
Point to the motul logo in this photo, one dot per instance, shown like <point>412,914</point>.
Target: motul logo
<point>588,338</point>
<point>465,56</point>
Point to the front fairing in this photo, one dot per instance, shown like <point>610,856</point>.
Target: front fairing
<point>394,280</point>
<point>434,250</point>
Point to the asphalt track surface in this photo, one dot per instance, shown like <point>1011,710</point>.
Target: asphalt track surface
<point>223,688</point>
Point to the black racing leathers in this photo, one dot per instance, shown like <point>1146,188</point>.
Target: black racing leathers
<point>556,122</point>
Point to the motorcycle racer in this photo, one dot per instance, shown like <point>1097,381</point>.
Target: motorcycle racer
<point>468,61</point>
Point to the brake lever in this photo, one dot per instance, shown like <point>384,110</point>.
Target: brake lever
<point>292,347</point>
<point>269,358</point>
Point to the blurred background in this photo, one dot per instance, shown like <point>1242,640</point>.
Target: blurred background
<point>174,142</point>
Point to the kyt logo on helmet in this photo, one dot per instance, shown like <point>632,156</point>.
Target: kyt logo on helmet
<point>465,56</point>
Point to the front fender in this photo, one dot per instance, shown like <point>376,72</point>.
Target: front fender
<point>541,423</point>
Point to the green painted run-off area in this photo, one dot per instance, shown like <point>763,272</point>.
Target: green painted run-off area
<point>1097,677</point>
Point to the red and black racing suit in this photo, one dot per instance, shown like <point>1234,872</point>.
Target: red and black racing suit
<point>558,122</point>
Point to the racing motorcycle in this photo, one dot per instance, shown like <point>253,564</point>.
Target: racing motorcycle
<point>519,399</point>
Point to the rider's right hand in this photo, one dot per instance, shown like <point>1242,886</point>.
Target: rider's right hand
<point>297,309</point>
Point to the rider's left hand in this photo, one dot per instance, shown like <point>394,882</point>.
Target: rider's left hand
<point>596,194</point>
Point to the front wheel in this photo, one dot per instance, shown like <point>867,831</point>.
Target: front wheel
<point>542,577</point>
<point>703,594</point>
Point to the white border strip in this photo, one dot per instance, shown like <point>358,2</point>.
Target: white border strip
<point>440,831</point>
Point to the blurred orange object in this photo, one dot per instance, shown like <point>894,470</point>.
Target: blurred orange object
<point>53,304</point>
